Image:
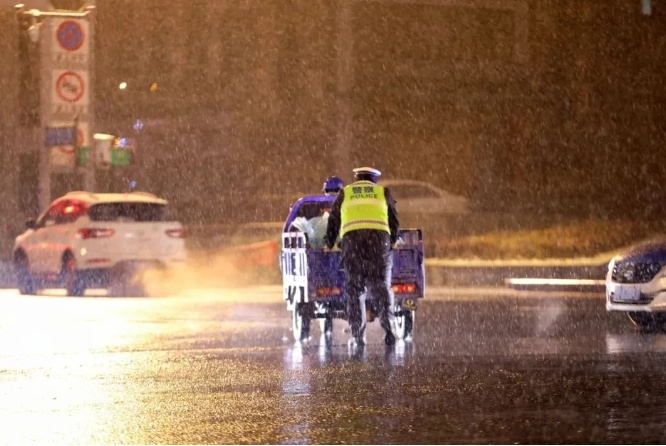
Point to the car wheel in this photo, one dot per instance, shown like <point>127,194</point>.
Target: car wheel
<point>647,321</point>
<point>71,277</point>
<point>126,282</point>
<point>24,280</point>
<point>403,323</point>
<point>300,322</point>
<point>122,288</point>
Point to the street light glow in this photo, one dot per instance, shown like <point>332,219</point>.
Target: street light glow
<point>123,85</point>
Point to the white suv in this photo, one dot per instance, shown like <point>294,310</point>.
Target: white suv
<point>97,240</point>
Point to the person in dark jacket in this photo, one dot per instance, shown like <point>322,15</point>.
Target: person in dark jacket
<point>332,185</point>
<point>365,216</point>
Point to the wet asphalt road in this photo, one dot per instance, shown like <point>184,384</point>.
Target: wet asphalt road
<point>216,366</point>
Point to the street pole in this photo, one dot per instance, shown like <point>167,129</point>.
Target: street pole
<point>34,36</point>
<point>45,43</point>
<point>89,182</point>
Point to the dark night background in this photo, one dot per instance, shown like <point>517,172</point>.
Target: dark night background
<point>531,107</point>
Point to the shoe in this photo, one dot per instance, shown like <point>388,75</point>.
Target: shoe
<point>389,338</point>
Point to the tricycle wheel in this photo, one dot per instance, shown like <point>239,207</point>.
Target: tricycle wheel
<point>326,326</point>
<point>300,322</point>
<point>404,323</point>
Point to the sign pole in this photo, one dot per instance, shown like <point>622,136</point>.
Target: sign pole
<point>89,179</point>
<point>44,110</point>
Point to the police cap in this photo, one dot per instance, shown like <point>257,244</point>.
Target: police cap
<point>367,171</point>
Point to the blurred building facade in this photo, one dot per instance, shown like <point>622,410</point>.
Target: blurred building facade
<point>521,105</point>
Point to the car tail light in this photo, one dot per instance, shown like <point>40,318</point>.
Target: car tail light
<point>86,233</point>
<point>404,288</point>
<point>75,208</point>
<point>175,233</point>
<point>329,291</point>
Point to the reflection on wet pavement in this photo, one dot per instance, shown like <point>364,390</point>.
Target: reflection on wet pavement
<point>217,368</point>
<point>635,343</point>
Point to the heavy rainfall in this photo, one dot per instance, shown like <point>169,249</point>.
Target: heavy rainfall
<point>162,277</point>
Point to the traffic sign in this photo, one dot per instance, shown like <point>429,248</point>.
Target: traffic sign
<point>70,86</point>
<point>70,90</point>
<point>70,35</point>
<point>59,136</point>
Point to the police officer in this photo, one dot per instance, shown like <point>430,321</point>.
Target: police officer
<point>332,185</point>
<point>365,216</point>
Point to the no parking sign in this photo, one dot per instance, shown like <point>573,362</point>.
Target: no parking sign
<point>71,36</point>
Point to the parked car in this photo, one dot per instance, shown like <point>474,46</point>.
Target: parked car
<point>414,196</point>
<point>97,240</point>
<point>636,283</point>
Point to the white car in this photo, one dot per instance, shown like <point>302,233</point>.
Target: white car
<point>636,283</point>
<point>420,197</point>
<point>96,240</point>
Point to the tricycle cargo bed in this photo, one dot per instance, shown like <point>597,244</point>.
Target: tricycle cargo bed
<point>315,275</point>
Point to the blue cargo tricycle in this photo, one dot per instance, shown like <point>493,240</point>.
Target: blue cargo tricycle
<point>313,279</point>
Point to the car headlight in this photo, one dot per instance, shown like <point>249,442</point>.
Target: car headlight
<point>611,264</point>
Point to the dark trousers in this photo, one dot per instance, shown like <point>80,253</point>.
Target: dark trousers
<point>367,262</point>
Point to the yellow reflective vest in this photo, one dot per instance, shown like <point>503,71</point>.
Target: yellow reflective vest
<point>364,207</point>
